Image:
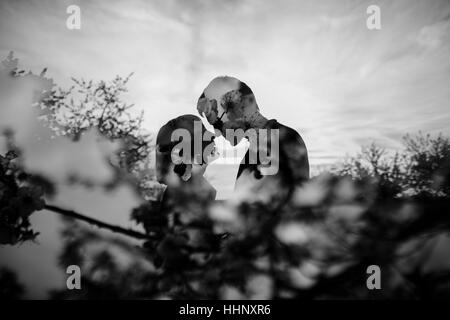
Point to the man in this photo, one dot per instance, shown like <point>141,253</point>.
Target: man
<point>230,106</point>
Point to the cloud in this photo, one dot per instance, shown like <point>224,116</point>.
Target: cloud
<point>434,35</point>
<point>306,61</point>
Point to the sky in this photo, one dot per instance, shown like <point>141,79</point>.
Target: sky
<point>312,65</point>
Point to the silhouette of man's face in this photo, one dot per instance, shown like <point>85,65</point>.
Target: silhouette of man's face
<point>227,104</point>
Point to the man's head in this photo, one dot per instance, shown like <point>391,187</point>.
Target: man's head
<point>228,103</point>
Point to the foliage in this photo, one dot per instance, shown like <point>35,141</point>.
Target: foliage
<point>428,170</point>
<point>421,168</point>
<point>317,246</point>
<point>88,105</point>
<point>376,208</point>
<point>20,195</point>
<point>99,107</point>
<point>10,287</point>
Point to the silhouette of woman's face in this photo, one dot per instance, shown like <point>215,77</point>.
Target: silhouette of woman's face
<point>170,162</point>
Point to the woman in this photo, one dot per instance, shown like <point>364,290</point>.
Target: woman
<point>183,149</point>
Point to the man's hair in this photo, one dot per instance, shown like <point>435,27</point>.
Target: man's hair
<point>210,104</point>
<point>244,89</point>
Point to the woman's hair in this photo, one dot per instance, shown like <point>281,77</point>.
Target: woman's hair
<point>165,143</point>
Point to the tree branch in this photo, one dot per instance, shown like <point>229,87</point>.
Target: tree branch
<point>100,224</point>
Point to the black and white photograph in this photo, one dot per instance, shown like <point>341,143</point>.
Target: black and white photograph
<point>213,150</point>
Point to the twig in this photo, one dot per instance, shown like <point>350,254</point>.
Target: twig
<point>100,224</point>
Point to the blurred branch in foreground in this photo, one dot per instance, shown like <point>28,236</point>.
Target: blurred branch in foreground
<point>97,223</point>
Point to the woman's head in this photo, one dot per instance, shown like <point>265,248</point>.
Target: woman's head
<point>183,145</point>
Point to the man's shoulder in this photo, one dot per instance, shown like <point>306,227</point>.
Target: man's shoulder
<point>287,134</point>
<point>293,153</point>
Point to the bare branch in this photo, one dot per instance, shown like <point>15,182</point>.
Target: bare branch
<point>100,224</point>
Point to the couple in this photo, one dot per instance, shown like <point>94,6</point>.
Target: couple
<point>273,166</point>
